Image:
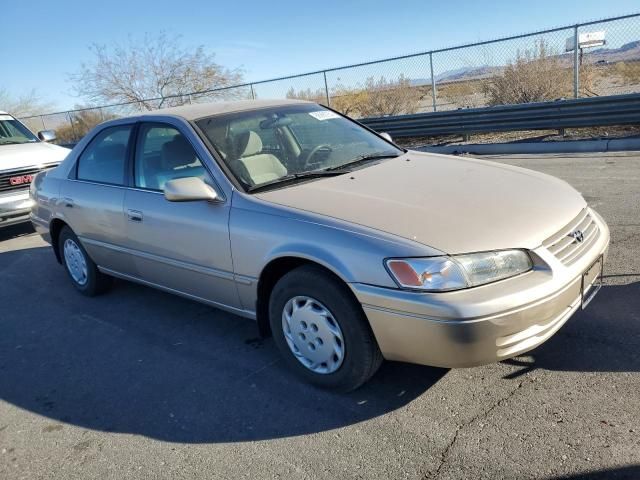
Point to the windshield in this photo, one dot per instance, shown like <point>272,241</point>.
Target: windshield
<point>289,143</point>
<point>12,132</point>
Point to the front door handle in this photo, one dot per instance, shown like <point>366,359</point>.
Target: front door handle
<point>134,215</point>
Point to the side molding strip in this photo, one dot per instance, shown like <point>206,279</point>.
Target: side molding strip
<point>168,261</point>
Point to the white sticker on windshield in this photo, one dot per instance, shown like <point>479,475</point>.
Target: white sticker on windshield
<point>324,115</point>
<point>6,117</point>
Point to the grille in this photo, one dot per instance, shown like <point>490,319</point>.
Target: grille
<point>5,182</point>
<point>565,247</point>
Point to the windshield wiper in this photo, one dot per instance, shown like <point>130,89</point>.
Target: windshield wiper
<point>368,157</point>
<point>325,172</point>
<point>291,178</point>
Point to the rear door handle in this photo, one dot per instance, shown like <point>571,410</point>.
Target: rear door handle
<point>134,215</point>
<point>68,202</point>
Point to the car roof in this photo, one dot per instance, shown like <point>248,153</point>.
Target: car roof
<point>200,110</point>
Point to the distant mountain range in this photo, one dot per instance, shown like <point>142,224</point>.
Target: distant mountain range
<point>627,52</point>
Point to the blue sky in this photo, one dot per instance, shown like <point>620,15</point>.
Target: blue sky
<point>45,40</point>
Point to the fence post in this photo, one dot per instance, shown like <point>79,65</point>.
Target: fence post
<point>326,89</point>
<point>576,65</point>
<point>253,94</point>
<point>73,130</point>
<point>433,81</point>
<point>42,120</point>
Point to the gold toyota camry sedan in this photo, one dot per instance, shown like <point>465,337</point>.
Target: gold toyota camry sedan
<point>343,246</point>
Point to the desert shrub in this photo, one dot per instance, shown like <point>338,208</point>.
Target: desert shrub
<point>392,97</point>
<point>627,72</point>
<point>82,122</point>
<point>463,93</point>
<point>318,96</point>
<point>535,75</point>
<point>350,101</point>
<point>373,98</point>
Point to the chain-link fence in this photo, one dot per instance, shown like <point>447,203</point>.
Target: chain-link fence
<point>589,59</point>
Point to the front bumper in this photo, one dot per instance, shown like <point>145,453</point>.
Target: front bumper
<point>14,208</point>
<point>480,325</point>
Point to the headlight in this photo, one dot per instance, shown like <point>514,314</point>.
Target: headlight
<point>458,271</point>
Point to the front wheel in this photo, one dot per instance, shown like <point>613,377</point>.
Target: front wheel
<point>82,271</point>
<point>322,331</point>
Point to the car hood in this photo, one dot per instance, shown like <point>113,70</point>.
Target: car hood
<point>453,204</point>
<point>27,155</point>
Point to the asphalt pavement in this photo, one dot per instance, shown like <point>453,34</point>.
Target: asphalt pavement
<point>142,384</point>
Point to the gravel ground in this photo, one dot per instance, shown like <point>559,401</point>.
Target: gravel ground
<point>141,384</point>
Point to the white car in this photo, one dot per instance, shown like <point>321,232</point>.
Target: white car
<point>22,155</point>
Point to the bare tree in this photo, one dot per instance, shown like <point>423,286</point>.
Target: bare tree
<point>23,105</point>
<point>155,72</point>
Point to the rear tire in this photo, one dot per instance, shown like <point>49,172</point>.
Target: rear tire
<point>321,330</point>
<point>82,271</point>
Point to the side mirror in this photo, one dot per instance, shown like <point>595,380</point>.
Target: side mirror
<point>189,189</point>
<point>47,135</point>
<point>386,136</point>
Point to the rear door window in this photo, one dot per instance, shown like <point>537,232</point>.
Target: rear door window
<point>104,160</point>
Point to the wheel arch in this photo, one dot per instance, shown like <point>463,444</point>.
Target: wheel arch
<point>273,271</point>
<point>55,227</point>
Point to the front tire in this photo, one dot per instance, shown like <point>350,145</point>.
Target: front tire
<point>82,271</point>
<point>321,330</point>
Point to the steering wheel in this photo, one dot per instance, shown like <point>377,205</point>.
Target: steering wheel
<point>314,150</point>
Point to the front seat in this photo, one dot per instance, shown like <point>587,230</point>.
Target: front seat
<point>177,159</point>
<point>261,167</point>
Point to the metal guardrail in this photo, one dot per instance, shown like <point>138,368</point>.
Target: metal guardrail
<point>574,113</point>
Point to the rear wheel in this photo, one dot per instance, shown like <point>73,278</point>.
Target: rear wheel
<point>321,330</point>
<point>82,271</point>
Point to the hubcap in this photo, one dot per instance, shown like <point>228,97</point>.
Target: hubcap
<point>75,261</point>
<point>313,335</point>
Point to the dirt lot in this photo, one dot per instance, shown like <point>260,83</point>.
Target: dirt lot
<point>142,384</point>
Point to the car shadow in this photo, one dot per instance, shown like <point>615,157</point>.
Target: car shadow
<point>630,472</point>
<point>140,361</point>
<point>15,231</point>
<point>605,337</point>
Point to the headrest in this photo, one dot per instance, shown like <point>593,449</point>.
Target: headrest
<point>249,143</point>
<point>177,153</point>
